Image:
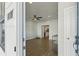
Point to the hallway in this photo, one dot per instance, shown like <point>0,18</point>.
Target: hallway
<point>41,47</point>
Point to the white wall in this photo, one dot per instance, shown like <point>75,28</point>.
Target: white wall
<point>31,30</point>
<point>60,29</point>
<point>53,27</point>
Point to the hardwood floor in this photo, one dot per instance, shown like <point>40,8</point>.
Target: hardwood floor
<point>41,47</point>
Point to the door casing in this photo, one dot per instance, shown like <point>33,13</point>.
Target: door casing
<point>20,45</point>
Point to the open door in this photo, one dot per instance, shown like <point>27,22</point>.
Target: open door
<point>15,29</point>
<point>10,26</point>
<point>45,31</point>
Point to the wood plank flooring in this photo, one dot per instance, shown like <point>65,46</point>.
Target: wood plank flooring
<point>41,47</point>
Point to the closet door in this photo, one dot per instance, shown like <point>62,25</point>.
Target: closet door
<point>69,30</point>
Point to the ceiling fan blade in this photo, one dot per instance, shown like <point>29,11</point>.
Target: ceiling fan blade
<point>39,17</point>
<point>34,16</point>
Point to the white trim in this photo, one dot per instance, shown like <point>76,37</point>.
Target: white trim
<point>21,34</point>
<point>19,17</point>
<point>24,27</point>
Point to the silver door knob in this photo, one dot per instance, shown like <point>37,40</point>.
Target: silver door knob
<point>68,38</point>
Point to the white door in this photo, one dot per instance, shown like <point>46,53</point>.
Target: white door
<point>69,30</point>
<point>10,28</point>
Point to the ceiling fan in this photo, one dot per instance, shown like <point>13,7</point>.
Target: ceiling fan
<point>35,17</point>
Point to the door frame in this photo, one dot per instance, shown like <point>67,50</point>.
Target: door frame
<point>43,30</point>
<point>20,28</point>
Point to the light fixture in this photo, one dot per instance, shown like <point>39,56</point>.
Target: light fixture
<point>36,18</point>
<point>30,1</point>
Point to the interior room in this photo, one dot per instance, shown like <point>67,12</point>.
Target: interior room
<point>42,29</point>
<point>39,28</point>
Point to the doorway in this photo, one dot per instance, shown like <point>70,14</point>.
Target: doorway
<point>45,23</point>
<point>45,31</point>
<point>41,27</point>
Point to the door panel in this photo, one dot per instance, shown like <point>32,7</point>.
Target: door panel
<point>10,26</point>
<point>69,30</point>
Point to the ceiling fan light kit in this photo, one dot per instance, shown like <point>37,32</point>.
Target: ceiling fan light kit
<point>36,18</point>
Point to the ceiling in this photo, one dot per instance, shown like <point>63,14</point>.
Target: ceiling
<point>47,10</point>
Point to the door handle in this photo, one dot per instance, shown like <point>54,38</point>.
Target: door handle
<point>68,38</point>
<point>15,49</point>
<point>24,47</point>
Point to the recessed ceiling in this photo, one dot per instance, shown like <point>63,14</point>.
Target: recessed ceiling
<point>47,10</point>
